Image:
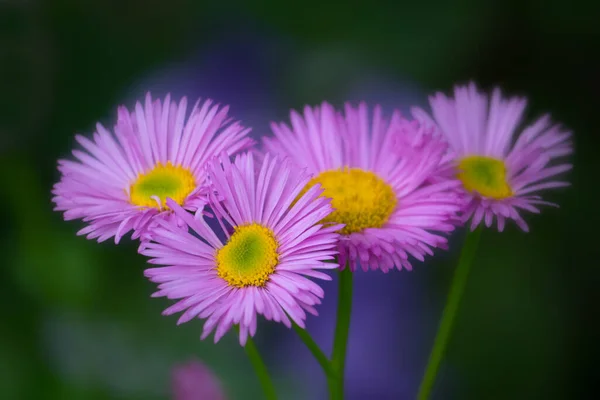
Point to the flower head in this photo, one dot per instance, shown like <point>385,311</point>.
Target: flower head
<point>382,184</point>
<point>500,165</point>
<point>193,380</point>
<point>120,182</point>
<point>273,244</point>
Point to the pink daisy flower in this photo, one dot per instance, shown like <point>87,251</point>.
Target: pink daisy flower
<point>417,140</point>
<point>120,182</point>
<point>383,190</point>
<point>501,165</point>
<point>273,245</point>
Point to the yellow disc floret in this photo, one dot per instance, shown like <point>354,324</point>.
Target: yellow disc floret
<point>361,199</point>
<point>161,182</point>
<point>249,257</point>
<point>485,175</point>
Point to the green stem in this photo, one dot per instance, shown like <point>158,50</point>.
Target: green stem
<point>342,327</point>
<point>261,369</point>
<point>315,350</point>
<point>457,288</point>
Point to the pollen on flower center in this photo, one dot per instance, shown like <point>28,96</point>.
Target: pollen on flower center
<point>485,175</point>
<point>360,198</point>
<point>162,181</point>
<point>249,257</point>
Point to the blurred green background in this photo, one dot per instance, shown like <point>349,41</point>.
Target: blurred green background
<point>76,318</point>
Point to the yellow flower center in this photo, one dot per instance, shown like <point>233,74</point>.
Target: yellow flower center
<point>162,181</point>
<point>361,199</point>
<point>249,257</point>
<point>485,175</point>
